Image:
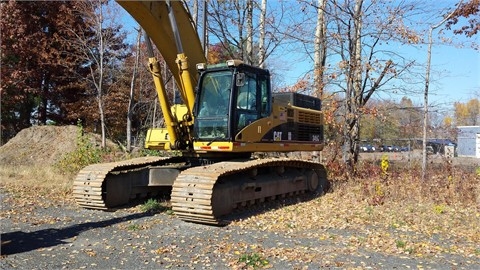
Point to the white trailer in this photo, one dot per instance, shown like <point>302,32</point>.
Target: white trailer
<point>468,141</point>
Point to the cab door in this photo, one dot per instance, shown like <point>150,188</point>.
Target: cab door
<point>252,99</point>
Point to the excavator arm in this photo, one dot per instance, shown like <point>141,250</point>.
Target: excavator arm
<point>170,27</point>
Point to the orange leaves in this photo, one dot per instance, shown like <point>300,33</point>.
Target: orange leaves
<point>330,106</point>
<point>300,85</point>
<point>407,34</point>
<point>343,64</point>
<point>338,230</point>
<point>218,53</point>
<point>396,216</point>
<point>369,111</point>
<point>469,8</point>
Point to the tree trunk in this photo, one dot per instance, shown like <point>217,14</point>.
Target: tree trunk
<point>261,41</point>
<point>195,14</point>
<point>249,56</point>
<point>425,95</point>
<point>204,29</point>
<point>43,107</point>
<point>132,87</point>
<point>102,120</point>
<point>320,48</point>
<point>100,79</point>
<point>353,95</point>
<point>357,86</point>
<point>425,108</point>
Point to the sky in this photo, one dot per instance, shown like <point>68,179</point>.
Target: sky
<point>455,72</point>
<point>460,79</point>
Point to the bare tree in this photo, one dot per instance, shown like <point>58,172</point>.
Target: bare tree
<point>359,30</point>
<point>132,88</point>
<point>200,22</point>
<point>425,95</point>
<point>320,48</point>
<point>99,47</point>
<point>229,24</point>
<point>320,52</point>
<point>249,39</point>
<point>261,40</point>
<point>195,13</point>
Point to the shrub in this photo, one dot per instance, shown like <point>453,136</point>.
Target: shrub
<point>85,154</point>
<point>254,260</point>
<point>400,244</point>
<point>133,227</point>
<point>152,205</point>
<point>384,164</point>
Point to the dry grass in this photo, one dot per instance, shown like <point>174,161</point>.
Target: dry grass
<point>36,184</point>
<point>395,213</point>
<point>446,186</point>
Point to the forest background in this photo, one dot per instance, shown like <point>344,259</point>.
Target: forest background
<point>65,62</point>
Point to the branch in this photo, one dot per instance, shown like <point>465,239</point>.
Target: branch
<point>377,82</point>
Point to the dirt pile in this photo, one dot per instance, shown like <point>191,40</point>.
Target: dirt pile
<point>40,145</point>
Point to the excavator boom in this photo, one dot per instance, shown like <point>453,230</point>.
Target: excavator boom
<point>153,18</point>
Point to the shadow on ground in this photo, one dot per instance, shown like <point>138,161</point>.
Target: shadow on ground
<point>19,241</point>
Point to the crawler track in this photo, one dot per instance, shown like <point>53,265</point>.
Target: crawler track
<point>204,194</point>
<point>201,194</point>
<point>89,187</point>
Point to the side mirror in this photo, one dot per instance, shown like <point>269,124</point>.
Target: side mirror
<point>240,79</point>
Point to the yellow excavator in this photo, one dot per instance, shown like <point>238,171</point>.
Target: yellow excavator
<point>229,114</point>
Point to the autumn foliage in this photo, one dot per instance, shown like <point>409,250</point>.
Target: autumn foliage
<point>467,114</point>
<point>39,70</point>
<point>469,10</point>
<point>50,66</point>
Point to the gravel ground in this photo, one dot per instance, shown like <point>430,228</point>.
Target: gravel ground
<point>44,234</point>
<point>68,237</point>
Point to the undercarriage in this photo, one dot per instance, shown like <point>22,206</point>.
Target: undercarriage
<point>200,194</point>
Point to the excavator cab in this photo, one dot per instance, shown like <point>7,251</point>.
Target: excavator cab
<point>230,96</point>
